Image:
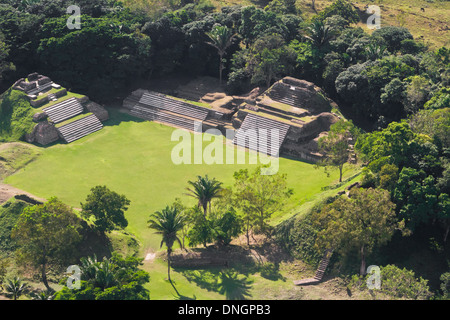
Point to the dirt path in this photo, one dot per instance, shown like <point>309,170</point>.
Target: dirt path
<point>149,256</point>
<point>7,192</point>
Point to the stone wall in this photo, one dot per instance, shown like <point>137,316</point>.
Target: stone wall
<point>43,133</point>
<point>312,129</point>
<point>100,112</point>
<point>39,102</point>
<point>306,95</point>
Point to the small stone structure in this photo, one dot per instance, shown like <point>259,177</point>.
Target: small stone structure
<point>33,85</point>
<point>298,105</point>
<point>45,131</point>
<point>100,112</point>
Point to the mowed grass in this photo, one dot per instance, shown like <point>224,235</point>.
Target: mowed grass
<point>430,25</point>
<point>133,157</point>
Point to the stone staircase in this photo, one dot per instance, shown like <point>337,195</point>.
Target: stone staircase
<point>80,128</point>
<point>64,110</point>
<point>158,107</point>
<point>160,101</point>
<point>319,272</point>
<point>166,117</point>
<point>52,97</point>
<point>256,133</point>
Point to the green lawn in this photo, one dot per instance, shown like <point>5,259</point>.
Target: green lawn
<point>133,157</point>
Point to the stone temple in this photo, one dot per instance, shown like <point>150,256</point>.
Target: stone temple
<point>59,115</point>
<point>298,110</point>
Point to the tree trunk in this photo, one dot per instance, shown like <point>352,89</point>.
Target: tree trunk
<point>220,69</point>
<point>205,209</point>
<point>44,276</point>
<point>362,270</point>
<point>168,265</point>
<point>340,172</point>
<point>248,236</point>
<point>313,5</point>
<point>446,233</point>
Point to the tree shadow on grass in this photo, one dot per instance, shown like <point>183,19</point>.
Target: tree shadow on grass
<point>179,296</point>
<point>116,117</point>
<point>232,284</point>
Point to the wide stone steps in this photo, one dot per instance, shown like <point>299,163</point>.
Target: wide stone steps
<point>257,133</point>
<point>80,128</point>
<point>162,102</point>
<point>64,110</point>
<point>165,117</point>
<point>319,272</point>
<point>288,97</point>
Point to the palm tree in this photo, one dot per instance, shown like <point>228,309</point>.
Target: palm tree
<point>168,222</point>
<point>221,38</point>
<point>89,267</point>
<point>319,33</point>
<point>106,276</point>
<point>15,287</point>
<point>374,51</point>
<point>43,295</point>
<point>204,190</point>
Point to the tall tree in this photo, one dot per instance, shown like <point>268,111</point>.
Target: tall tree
<point>204,190</point>
<point>15,287</point>
<point>221,38</point>
<point>107,207</point>
<point>46,233</point>
<point>335,145</point>
<point>168,222</point>
<point>114,278</point>
<point>269,58</point>
<point>260,195</point>
<point>4,52</point>
<point>319,34</point>
<point>361,221</point>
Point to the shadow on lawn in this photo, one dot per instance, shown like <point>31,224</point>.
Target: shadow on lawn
<point>180,296</point>
<point>232,284</point>
<point>116,117</point>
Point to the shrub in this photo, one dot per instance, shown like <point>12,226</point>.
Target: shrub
<point>16,116</point>
<point>396,283</point>
<point>394,36</point>
<point>341,8</point>
<point>298,236</point>
<point>9,213</point>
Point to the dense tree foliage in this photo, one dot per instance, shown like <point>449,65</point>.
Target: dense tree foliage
<point>399,284</point>
<point>46,233</point>
<point>360,222</point>
<point>379,77</point>
<point>115,278</point>
<point>335,145</point>
<point>411,161</point>
<point>204,190</point>
<point>107,208</point>
<point>260,196</point>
